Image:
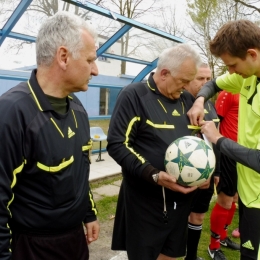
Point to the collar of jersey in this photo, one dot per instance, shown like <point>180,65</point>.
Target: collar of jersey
<point>39,97</point>
<point>151,84</point>
<point>153,87</point>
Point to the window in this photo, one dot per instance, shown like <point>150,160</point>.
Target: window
<point>103,101</point>
<point>101,58</point>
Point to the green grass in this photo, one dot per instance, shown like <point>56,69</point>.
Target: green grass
<point>104,181</point>
<point>107,208</point>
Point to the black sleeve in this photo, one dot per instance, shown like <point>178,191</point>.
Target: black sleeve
<point>92,209</point>
<point>246,156</point>
<point>122,133</point>
<point>217,155</point>
<point>209,90</point>
<point>11,164</point>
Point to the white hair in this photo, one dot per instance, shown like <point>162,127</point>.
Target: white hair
<point>173,57</point>
<point>62,29</point>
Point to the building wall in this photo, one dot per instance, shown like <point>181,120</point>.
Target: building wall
<point>106,66</point>
<point>90,99</point>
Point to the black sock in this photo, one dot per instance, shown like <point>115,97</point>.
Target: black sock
<point>194,232</point>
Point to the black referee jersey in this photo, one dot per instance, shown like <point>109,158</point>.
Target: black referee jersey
<point>44,163</point>
<point>143,124</point>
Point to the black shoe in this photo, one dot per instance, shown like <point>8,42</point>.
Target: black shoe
<point>216,254</point>
<point>227,242</point>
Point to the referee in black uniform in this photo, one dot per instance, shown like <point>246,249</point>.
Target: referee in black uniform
<point>44,155</point>
<point>152,211</point>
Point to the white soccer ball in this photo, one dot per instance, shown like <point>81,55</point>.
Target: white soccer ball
<point>190,160</point>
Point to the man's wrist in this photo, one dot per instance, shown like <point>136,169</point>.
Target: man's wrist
<point>156,177</point>
<point>200,99</point>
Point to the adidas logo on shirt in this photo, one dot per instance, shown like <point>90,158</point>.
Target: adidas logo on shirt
<point>175,113</point>
<point>205,111</point>
<point>247,87</point>
<point>70,132</point>
<point>248,245</point>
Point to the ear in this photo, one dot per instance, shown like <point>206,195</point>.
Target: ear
<point>164,73</point>
<point>63,57</point>
<point>253,53</point>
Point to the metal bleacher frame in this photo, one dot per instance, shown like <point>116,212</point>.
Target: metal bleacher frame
<point>6,32</point>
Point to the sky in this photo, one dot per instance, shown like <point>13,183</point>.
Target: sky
<point>12,59</point>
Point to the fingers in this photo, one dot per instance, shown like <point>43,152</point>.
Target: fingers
<point>166,179</point>
<point>92,229</point>
<point>186,190</point>
<point>196,113</point>
<point>179,188</point>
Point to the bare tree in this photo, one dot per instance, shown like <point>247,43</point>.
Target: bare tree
<point>250,5</point>
<point>166,21</point>
<point>133,9</point>
<point>50,7</point>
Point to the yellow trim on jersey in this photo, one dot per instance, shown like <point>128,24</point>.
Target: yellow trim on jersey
<point>70,97</point>
<point>34,96</point>
<point>153,89</point>
<point>162,106</point>
<point>160,125</point>
<point>15,171</point>
<point>87,147</point>
<point>183,108</point>
<point>92,203</point>
<point>57,127</point>
<point>127,139</point>
<point>74,118</point>
<point>55,168</point>
<point>194,127</point>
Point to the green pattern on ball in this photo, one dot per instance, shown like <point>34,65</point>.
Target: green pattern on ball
<point>183,159</point>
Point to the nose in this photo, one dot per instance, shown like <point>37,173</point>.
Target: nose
<point>94,69</point>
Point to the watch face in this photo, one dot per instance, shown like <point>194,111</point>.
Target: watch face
<point>155,177</point>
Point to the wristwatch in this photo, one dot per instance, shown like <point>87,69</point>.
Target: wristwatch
<point>155,177</point>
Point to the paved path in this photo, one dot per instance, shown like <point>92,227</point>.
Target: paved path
<point>120,256</point>
<point>101,170</point>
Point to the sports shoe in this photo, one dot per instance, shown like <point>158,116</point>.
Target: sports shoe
<point>227,242</point>
<point>216,254</point>
<point>236,233</point>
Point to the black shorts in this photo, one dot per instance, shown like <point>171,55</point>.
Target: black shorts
<point>139,226</point>
<point>202,198</point>
<point>228,176</point>
<point>249,227</point>
<point>66,245</point>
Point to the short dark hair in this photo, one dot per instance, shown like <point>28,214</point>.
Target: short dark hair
<point>235,38</point>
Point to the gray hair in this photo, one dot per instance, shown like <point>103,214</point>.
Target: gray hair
<point>62,29</point>
<point>204,65</point>
<point>173,57</point>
